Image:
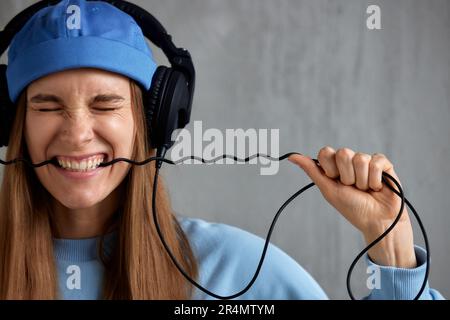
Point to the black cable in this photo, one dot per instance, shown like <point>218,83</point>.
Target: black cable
<point>160,159</point>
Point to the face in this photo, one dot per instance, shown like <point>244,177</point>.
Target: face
<point>81,117</point>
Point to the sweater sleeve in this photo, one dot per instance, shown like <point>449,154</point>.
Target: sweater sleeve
<point>401,283</point>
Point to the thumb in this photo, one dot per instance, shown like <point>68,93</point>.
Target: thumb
<point>317,175</point>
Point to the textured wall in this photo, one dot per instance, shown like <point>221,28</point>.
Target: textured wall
<point>313,70</point>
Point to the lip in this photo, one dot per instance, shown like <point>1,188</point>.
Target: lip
<point>79,175</point>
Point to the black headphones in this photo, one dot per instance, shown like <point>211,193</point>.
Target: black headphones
<point>167,103</point>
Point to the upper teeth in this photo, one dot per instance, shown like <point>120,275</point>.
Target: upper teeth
<point>83,165</point>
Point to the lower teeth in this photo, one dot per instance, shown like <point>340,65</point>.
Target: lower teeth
<point>79,170</point>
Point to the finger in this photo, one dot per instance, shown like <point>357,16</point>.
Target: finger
<point>361,166</point>
<point>326,185</point>
<point>377,165</point>
<point>327,160</point>
<point>344,164</point>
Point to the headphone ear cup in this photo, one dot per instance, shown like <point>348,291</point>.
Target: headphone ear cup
<point>167,107</point>
<point>7,109</point>
<point>176,111</point>
<point>152,105</point>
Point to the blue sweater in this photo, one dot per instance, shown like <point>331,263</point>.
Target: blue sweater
<point>227,259</point>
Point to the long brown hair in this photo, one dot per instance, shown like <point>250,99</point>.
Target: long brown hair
<point>138,267</point>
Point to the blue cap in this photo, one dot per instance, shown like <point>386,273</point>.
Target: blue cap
<point>77,34</point>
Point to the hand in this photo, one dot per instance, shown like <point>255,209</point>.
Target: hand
<point>351,183</point>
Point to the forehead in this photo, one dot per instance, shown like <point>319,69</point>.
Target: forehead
<point>83,81</point>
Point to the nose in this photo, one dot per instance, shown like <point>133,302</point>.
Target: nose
<point>77,129</point>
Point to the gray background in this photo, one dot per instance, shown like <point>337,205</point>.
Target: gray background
<point>313,70</point>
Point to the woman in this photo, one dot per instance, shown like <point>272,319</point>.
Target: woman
<point>80,231</point>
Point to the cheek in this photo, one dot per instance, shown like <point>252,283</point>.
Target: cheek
<point>38,134</point>
<point>119,134</point>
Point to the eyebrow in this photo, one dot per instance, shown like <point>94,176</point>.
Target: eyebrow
<point>41,98</point>
<point>107,98</point>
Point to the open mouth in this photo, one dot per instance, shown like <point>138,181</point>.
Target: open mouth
<point>84,165</point>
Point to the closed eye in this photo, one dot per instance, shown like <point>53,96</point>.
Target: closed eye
<point>60,109</point>
<point>48,110</point>
<point>105,109</point>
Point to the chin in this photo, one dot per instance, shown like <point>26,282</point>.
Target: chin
<point>81,201</point>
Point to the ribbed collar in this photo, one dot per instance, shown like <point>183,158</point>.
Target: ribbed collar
<point>82,249</point>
